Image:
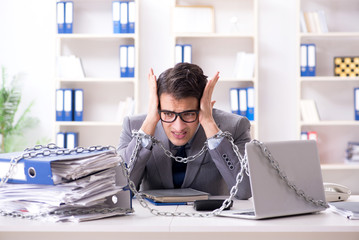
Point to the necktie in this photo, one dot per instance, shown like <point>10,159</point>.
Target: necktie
<point>178,168</point>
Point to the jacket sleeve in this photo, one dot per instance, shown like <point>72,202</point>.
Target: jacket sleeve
<point>126,147</point>
<point>227,161</point>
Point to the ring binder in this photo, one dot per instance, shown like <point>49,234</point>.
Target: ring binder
<point>55,169</point>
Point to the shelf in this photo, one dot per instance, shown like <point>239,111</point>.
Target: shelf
<point>343,166</point>
<point>213,35</point>
<point>329,79</point>
<point>95,36</point>
<point>88,124</point>
<point>331,123</point>
<point>235,80</point>
<point>98,80</point>
<point>329,35</point>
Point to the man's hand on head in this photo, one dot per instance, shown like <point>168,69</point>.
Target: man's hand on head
<point>206,107</point>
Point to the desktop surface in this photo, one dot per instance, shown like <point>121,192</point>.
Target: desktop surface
<point>142,224</point>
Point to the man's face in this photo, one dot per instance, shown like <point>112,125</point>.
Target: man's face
<point>179,132</point>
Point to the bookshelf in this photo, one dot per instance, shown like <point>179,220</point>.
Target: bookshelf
<point>333,95</point>
<point>94,42</point>
<point>235,26</point>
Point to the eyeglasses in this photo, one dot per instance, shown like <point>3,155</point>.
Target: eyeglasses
<point>188,116</point>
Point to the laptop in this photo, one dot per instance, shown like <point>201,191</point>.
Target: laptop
<point>270,194</point>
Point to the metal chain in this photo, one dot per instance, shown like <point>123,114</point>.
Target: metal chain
<point>168,153</point>
<point>48,150</point>
<point>284,177</point>
<point>244,169</point>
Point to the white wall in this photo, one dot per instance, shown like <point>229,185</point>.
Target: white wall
<point>27,45</point>
<point>27,48</point>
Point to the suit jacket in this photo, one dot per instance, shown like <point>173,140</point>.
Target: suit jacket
<point>214,172</point>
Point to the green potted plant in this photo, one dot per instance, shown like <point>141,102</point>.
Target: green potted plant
<point>12,123</point>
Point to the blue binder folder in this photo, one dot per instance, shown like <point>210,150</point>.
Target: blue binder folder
<point>131,16</point>
<point>38,170</point>
<point>187,53</point>
<point>71,140</point>
<point>130,61</point>
<point>178,53</point>
<point>311,54</point>
<point>303,60</point>
<point>123,61</point>
<point>242,94</point>
<point>116,16</point>
<point>68,105</point>
<point>123,17</point>
<point>78,104</point>
<point>61,139</point>
<point>250,103</point>
<point>69,15</point>
<point>60,114</point>
<point>60,15</point>
<point>356,103</point>
<point>234,100</point>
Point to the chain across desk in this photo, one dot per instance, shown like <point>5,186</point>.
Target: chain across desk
<point>143,225</point>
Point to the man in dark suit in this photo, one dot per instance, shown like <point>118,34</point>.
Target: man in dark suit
<point>182,118</point>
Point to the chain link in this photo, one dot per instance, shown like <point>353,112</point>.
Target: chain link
<point>244,170</point>
<point>53,149</point>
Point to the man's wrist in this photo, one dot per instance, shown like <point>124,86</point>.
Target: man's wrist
<point>149,127</point>
<point>210,128</point>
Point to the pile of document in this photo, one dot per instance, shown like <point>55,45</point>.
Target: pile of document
<point>71,187</point>
<point>352,153</point>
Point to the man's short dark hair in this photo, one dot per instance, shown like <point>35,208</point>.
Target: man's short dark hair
<point>182,81</point>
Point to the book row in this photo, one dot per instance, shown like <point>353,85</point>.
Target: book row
<point>183,53</point>
<point>244,63</point>
<point>123,16</point>
<point>65,15</point>
<point>344,66</point>
<point>242,101</point>
<point>69,104</point>
<point>309,135</point>
<point>313,22</point>
<point>307,60</point>
<point>67,139</point>
<point>71,67</point>
<point>127,61</point>
<point>309,110</point>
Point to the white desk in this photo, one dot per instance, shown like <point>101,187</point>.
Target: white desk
<point>143,225</point>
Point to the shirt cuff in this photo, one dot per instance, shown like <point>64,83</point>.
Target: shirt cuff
<point>214,142</point>
<point>145,142</point>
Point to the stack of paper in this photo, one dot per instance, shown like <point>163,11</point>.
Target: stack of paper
<point>85,186</point>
